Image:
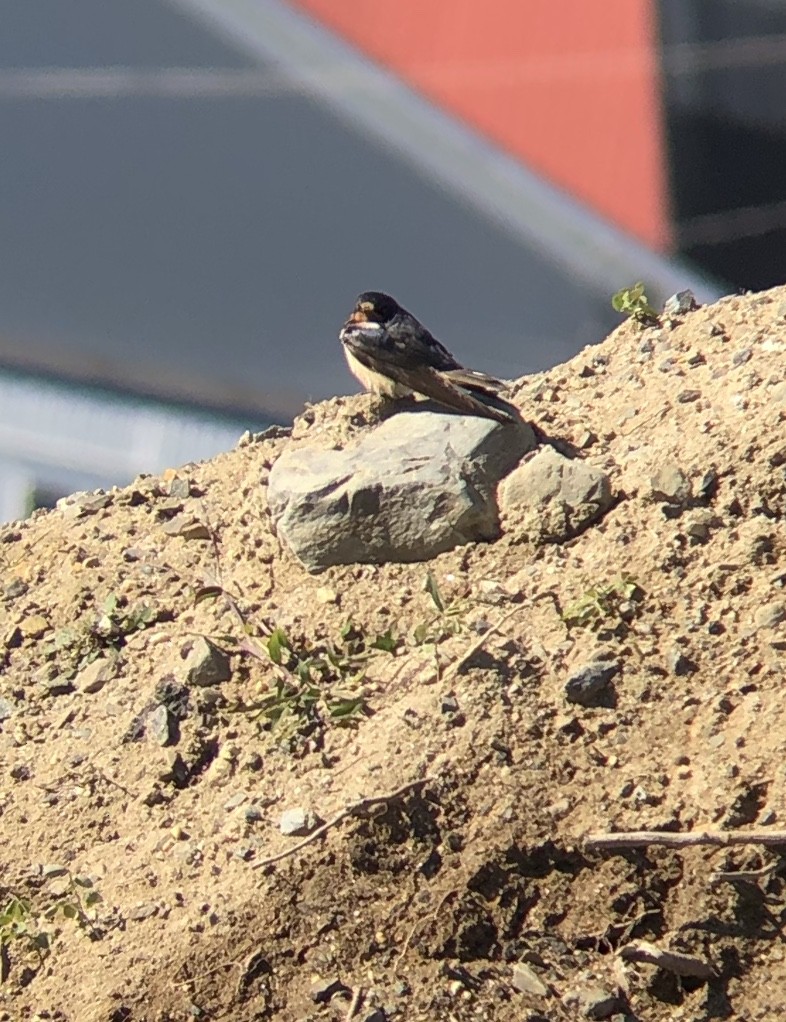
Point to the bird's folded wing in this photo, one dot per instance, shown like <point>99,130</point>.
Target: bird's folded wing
<point>399,362</point>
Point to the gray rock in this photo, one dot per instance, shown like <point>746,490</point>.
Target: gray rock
<point>159,725</point>
<point>557,497</point>
<point>670,484</point>
<point>297,822</point>
<point>527,981</point>
<point>419,484</point>
<point>593,1001</point>
<point>6,709</point>
<point>680,303</point>
<point>589,686</point>
<point>205,664</point>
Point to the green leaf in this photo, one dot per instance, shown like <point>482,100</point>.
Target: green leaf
<point>93,898</point>
<point>432,588</point>
<point>276,644</point>
<point>420,633</point>
<point>69,911</point>
<point>340,709</point>
<point>82,882</point>
<point>386,642</point>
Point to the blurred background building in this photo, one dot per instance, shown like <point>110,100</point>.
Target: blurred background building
<point>193,191</point>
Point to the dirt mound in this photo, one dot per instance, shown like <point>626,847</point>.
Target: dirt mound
<point>444,724</point>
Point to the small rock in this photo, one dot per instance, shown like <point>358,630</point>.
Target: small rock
<point>670,484</point>
<point>16,587</point>
<point>57,686</point>
<point>593,1001</point>
<point>206,664</point>
<point>527,981</point>
<point>89,503</point>
<point>144,911</point>
<point>297,822</point>
<point>34,626</point>
<point>687,396</point>
<point>180,488</point>
<point>739,358</point>
<point>187,527</point>
<point>91,679</point>
<point>449,704</point>
<point>326,595</point>
<point>679,664</point>
<point>556,497</point>
<point>6,709</point>
<point>589,686</point>
<point>324,990</point>
<point>680,303</point>
<point>159,725</point>
<point>770,615</point>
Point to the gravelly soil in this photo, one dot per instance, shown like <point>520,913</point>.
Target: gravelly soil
<point>427,905</point>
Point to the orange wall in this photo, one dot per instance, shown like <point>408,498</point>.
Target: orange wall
<point>569,86</point>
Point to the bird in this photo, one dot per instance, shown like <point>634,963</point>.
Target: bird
<point>391,353</point>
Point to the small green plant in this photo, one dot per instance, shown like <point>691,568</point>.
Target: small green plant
<point>449,619</point>
<point>319,685</point>
<point>632,301</point>
<point>91,635</point>
<point>605,604</point>
<point>32,927</point>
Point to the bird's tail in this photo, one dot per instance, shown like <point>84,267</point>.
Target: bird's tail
<point>470,379</point>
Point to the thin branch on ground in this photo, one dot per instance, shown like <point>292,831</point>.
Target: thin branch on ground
<point>354,1004</point>
<point>667,839</point>
<point>748,876</point>
<point>476,646</point>
<point>351,810</point>
<point>673,961</point>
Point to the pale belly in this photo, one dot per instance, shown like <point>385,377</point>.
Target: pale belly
<point>374,382</point>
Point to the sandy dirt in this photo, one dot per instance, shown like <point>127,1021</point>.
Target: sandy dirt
<point>139,807</point>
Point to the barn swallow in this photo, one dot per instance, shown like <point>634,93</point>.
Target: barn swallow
<point>393,354</point>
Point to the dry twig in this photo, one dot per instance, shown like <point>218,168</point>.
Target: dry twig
<point>354,1004</point>
<point>667,839</point>
<point>457,665</point>
<point>354,807</point>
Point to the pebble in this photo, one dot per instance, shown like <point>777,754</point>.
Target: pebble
<point>589,685</point>
<point>593,1001</point>
<point>297,822</point>
<point>527,981</point>
<point>34,626</point>
<point>770,615</point>
<point>205,664</point>
<point>680,303</point>
<point>670,484</point>
<point>187,527</point>
<point>91,679</point>
<point>159,725</point>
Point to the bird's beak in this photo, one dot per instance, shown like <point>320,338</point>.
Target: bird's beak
<point>358,316</point>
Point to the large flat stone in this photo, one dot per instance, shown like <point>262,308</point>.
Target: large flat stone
<point>420,483</point>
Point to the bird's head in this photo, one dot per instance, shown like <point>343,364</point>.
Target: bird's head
<point>374,307</point>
